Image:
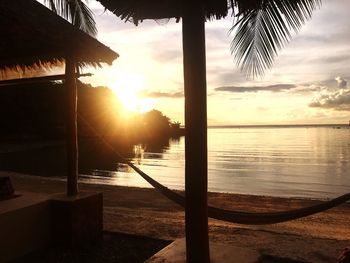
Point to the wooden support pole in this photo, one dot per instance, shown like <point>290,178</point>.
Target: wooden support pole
<point>196,170</point>
<point>71,127</point>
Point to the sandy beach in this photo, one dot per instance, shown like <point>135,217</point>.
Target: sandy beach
<point>143,211</point>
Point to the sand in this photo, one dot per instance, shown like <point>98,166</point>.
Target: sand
<point>143,211</point>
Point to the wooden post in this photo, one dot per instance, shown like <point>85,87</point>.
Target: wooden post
<point>71,127</point>
<point>196,172</point>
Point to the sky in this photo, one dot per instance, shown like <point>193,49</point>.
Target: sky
<point>309,82</point>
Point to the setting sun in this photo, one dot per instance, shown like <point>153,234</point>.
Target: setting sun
<point>127,88</point>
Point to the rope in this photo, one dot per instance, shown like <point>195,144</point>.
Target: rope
<point>238,217</point>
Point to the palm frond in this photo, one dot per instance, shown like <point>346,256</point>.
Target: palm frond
<point>83,17</point>
<point>263,28</point>
<point>76,12</point>
<point>51,5</point>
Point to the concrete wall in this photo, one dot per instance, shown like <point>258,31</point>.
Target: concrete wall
<point>25,225</point>
<point>31,221</point>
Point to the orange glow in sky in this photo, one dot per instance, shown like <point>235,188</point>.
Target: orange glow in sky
<point>308,83</point>
<point>127,87</point>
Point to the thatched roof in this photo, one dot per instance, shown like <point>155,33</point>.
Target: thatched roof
<point>32,36</point>
<point>138,10</point>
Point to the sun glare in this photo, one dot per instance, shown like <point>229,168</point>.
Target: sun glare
<point>127,88</point>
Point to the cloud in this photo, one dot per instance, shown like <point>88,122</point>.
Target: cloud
<point>341,82</point>
<point>326,59</point>
<point>304,89</point>
<point>219,75</point>
<point>337,99</point>
<point>243,89</point>
<point>159,94</point>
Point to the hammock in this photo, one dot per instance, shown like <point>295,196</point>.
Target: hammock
<point>238,217</point>
<point>245,218</point>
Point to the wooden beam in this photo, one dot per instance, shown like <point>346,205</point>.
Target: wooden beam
<point>196,172</point>
<point>10,82</point>
<point>71,127</point>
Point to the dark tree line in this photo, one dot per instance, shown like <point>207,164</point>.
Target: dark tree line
<point>38,110</point>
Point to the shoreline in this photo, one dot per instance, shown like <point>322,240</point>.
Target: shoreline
<point>85,179</point>
<point>301,198</point>
<point>145,212</point>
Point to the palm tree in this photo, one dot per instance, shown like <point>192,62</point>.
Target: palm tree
<point>261,28</point>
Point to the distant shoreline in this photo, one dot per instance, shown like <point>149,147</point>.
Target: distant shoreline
<point>279,126</point>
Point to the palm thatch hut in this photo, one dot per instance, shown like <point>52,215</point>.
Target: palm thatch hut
<point>139,10</point>
<point>34,38</point>
<point>193,14</point>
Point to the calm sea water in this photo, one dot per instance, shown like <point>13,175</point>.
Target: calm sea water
<point>312,162</point>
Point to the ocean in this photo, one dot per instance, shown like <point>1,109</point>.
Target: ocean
<point>287,161</point>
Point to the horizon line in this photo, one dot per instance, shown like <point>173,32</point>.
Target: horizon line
<point>278,125</point>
